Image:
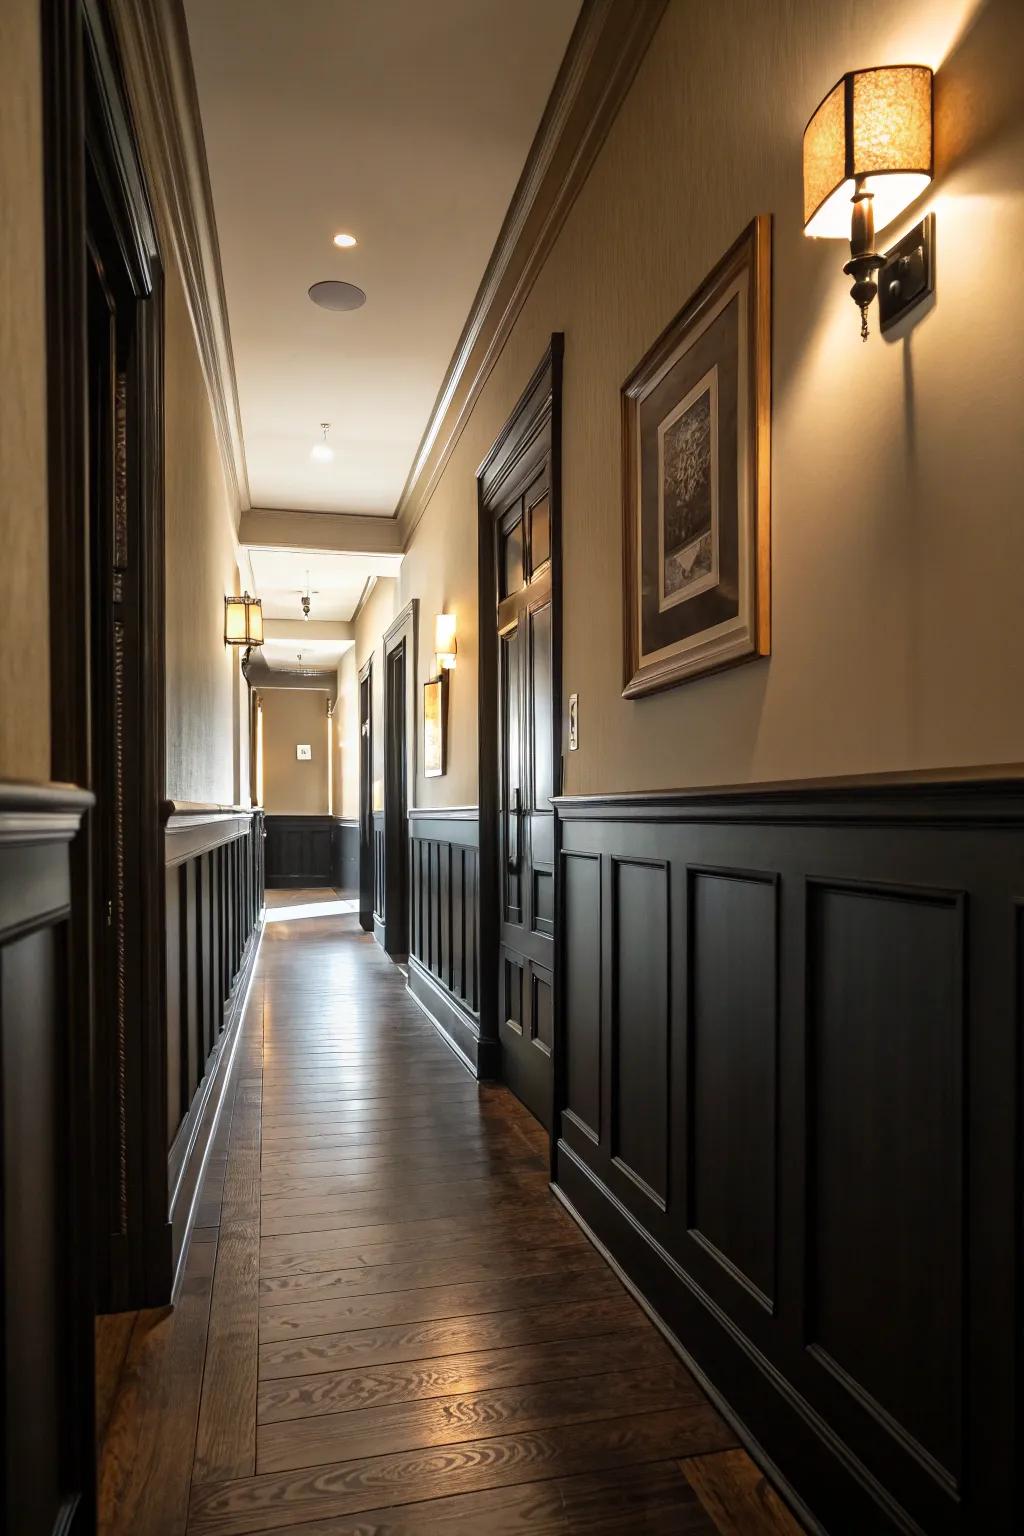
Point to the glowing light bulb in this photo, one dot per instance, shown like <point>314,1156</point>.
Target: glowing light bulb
<point>345,242</point>
<point>322,453</point>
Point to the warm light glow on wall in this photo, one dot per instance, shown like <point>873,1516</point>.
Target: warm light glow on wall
<point>874,125</point>
<point>445,643</point>
<point>259,752</point>
<point>330,759</point>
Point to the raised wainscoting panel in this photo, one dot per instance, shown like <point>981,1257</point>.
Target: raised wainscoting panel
<point>299,851</point>
<point>790,1109</point>
<point>345,855</point>
<point>639,1059</point>
<point>46,1238</point>
<point>886,1053</point>
<point>444,973</point>
<point>730,1102</point>
<point>214,909</point>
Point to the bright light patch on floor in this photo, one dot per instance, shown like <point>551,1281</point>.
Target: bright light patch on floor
<point>312,909</point>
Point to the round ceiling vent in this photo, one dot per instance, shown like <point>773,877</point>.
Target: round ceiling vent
<point>334,295</point>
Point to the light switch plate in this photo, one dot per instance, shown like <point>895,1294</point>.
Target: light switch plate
<point>574,722</point>
<point>304,753</point>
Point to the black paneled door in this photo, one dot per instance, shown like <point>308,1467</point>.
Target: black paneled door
<point>526,768</point>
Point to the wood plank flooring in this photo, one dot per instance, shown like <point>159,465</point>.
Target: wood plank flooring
<point>388,1326</point>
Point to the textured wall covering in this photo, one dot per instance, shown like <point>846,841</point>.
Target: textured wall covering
<point>898,539</point>
<point>24,578</point>
<point>206,732</point>
<point>291,716</point>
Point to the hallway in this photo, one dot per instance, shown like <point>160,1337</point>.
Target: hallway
<point>389,1326</point>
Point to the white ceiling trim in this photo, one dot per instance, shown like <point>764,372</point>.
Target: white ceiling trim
<point>158,68</point>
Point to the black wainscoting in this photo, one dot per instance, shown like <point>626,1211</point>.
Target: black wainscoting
<point>299,851</point>
<point>215,884</point>
<point>379,879</point>
<point>789,1078</point>
<point>345,854</point>
<point>444,945</point>
<point>46,1232</point>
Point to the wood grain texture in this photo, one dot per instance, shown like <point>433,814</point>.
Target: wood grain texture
<point>456,1358</point>
<point>738,1496</point>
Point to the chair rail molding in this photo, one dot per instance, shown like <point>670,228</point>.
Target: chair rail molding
<point>153,39</point>
<point>789,1103</point>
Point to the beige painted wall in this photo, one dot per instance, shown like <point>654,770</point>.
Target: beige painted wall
<point>24,575</point>
<point>346,738</point>
<point>207,731</point>
<point>897,466</point>
<point>379,609</point>
<point>291,716</point>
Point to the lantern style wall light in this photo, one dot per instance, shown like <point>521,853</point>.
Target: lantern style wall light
<point>243,622</point>
<point>867,155</point>
<point>445,644</point>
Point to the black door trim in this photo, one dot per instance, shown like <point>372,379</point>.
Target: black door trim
<point>399,779</point>
<point>366,796</point>
<point>539,406</point>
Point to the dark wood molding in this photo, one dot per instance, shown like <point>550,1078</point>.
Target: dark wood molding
<point>47,1230</point>
<point>400,638</point>
<point>604,53</point>
<point>367,839</point>
<point>789,1105</point>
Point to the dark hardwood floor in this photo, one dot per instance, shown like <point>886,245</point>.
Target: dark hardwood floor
<point>388,1325</point>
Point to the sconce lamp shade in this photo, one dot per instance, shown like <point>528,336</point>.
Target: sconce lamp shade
<point>243,620</point>
<point>873,127</point>
<point>445,643</point>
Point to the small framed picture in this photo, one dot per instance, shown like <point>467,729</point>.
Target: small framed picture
<point>435,727</point>
<point>304,753</point>
<point>696,436</point>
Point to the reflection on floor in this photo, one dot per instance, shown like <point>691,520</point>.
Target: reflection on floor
<point>287,906</point>
<point>388,1326</point>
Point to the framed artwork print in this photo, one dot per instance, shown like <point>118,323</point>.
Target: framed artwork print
<point>435,727</point>
<point>696,438</point>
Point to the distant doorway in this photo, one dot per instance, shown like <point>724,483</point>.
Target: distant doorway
<point>399,777</point>
<point>520,734</point>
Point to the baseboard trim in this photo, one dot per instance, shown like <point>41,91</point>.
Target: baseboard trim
<point>204,1114</point>
<point>457,1027</point>
<point>827,1465</point>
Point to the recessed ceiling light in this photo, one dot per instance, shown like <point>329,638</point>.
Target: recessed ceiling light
<point>338,296</point>
<point>323,453</point>
<point>345,242</point>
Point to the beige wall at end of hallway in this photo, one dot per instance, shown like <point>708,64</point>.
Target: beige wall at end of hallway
<point>293,717</point>
<point>24,569</point>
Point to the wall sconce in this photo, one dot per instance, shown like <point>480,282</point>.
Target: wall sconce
<point>869,145</point>
<point>243,622</point>
<point>445,644</point>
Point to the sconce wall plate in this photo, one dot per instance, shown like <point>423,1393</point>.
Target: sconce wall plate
<point>907,275</point>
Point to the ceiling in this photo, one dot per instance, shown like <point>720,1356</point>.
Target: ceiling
<point>335,582</point>
<point>296,655</point>
<point>405,123</point>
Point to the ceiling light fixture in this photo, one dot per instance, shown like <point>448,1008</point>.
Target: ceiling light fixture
<point>323,453</point>
<point>332,294</point>
<point>345,242</point>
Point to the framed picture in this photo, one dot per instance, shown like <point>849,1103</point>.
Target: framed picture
<point>435,727</point>
<point>696,436</point>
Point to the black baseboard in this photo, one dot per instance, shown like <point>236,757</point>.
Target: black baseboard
<point>188,1154</point>
<point>741,1382</point>
<point>459,1028</point>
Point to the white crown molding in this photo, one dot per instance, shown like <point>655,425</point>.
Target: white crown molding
<point>153,38</point>
<point>604,53</point>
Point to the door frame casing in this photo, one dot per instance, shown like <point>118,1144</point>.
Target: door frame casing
<point>365,680</point>
<point>400,635</point>
<point>539,408</point>
<point>87,118</point>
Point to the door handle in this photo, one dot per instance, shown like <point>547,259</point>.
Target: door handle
<point>512,842</point>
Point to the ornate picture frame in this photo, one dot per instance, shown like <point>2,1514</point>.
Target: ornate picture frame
<point>696,459</point>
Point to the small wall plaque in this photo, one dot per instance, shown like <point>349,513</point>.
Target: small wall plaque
<point>304,753</point>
